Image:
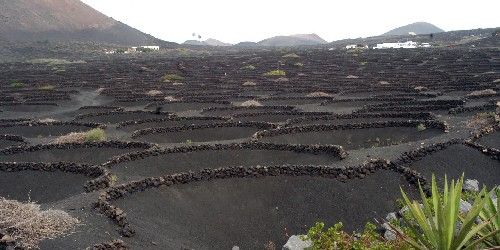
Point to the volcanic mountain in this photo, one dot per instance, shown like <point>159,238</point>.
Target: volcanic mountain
<point>417,28</point>
<point>293,40</point>
<point>208,42</point>
<point>64,20</point>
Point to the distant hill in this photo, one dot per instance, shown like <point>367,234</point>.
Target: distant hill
<point>65,20</point>
<point>478,37</point>
<point>194,42</point>
<point>418,28</point>
<point>208,42</point>
<point>246,44</point>
<point>293,40</point>
<point>214,42</point>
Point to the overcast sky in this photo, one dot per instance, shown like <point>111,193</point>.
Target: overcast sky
<point>235,21</point>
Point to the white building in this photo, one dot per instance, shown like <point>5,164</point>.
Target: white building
<point>151,47</point>
<point>145,47</point>
<point>405,45</point>
<point>356,46</point>
<point>425,45</point>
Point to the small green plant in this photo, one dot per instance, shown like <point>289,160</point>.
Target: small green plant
<point>491,212</point>
<point>400,203</point>
<point>248,67</point>
<point>95,135</point>
<point>469,196</point>
<point>335,238</point>
<point>291,55</point>
<point>421,127</point>
<point>434,224</point>
<point>17,85</point>
<point>276,72</point>
<point>172,78</point>
<point>113,179</point>
<point>47,87</point>
<point>189,141</point>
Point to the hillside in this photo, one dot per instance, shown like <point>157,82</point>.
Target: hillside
<point>293,40</point>
<point>64,20</point>
<point>246,44</point>
<point>208,42</point>
<point>215,42</point>
<point>418,28</point>
<point>477,37</point>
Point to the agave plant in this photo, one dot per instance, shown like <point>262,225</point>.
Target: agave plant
<point>491,212</point>
<point>437,223</point>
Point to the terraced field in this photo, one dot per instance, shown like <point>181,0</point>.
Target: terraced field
<point>211,152</point>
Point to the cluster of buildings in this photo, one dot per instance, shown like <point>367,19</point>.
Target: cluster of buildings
<point>405,45</point>
<point>133,50</point>
<point>398,45</point>
<point>142,48</point>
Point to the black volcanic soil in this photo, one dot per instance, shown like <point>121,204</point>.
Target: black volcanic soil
<point>224,211</point>
<point>200,135</point>
<point>251,212</point>
<point>269,117</point>
<point>35,131</point>
<point>120,117</point>
<point>185,106</point>
<point>356,138</point>
<point>198,160</point>
<point>346,121</point>
<point>458,159</point>
<point>40,186</point>
<point>166,123</point>
<point>29,108</point>
<point>491,140</point>
<point>8,143</point>
<point>88,155</point>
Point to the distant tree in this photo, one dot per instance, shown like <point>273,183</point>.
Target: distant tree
<point>199,37</point>
<point>431,35</point>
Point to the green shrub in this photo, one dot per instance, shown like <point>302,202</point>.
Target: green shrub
<point>113,179</point>
<point>491,212</point>
<point>434,224</point>
<point>172,78</point>
<point>421,127</point>
<point>276,72</point>
<point>335,238</point>
<point>17,85</point>
<point>95,135</point>
<point>248,67</point>
<point>47,87</point>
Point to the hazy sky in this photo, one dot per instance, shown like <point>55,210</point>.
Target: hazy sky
<point>235,21</point>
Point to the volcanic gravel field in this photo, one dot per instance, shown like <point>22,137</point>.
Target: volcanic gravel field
<point>225,155</point>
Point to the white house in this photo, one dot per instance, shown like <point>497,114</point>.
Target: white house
<point>425,45</point>
<point>405,45</point>
<point>356,46</point>
<point>145,47</point>
<point>151,47</point>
